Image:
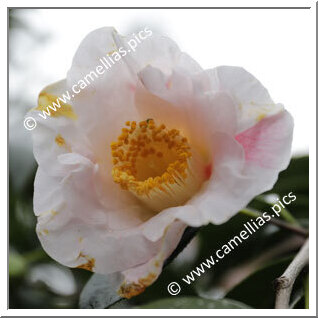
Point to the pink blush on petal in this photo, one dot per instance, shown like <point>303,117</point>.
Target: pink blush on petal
<point>262,141</point>
<point>252,141</point>
<point>132,87</point>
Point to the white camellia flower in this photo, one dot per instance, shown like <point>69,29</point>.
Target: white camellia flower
<point>155,144</point>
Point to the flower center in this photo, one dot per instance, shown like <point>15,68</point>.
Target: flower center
<point>154,163</point>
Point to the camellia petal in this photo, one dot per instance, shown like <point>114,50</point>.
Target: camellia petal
<point>252,99</point>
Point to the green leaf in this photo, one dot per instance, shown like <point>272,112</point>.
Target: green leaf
<point>100,291</point>
<point>194,303</point>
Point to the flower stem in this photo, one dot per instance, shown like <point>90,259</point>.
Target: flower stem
<point>282,224</point>
<point>251,213</point>
<point>288,217</point>
<point>285,214</point>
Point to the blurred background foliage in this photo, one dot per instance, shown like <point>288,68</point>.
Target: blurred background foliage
<point>243,279</point>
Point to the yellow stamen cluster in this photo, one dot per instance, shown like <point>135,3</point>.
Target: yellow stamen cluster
<point>148,157</point>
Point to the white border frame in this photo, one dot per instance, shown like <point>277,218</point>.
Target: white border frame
<point>157,312</point>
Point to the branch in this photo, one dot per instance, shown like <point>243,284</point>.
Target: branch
<point>284,284</point>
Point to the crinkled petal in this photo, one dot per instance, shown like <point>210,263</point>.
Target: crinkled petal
<point>252,99</point>
<point>245,167</point>
<point>267,147</point>
<point>158,51</point>
<point>140,277</point>
<point>73,227</point>
<point>61,135</point>
<point>56,134</point>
